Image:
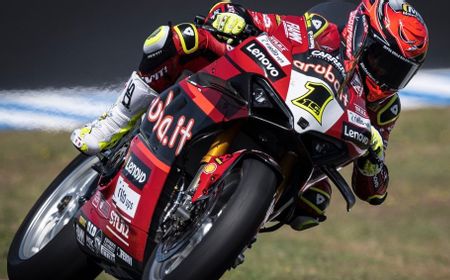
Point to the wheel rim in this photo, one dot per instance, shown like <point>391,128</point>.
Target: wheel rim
<point>58,209</point>
<point>170,256</point>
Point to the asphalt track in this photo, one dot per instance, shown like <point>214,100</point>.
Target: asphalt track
<point>67,108</point>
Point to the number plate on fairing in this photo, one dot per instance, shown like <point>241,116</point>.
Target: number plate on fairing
<point>312,100</point>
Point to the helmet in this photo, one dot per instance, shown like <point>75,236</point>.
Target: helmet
<point>394,47</point>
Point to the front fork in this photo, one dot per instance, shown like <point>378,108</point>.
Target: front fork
<point>220,147</point>
<point>221,144</point>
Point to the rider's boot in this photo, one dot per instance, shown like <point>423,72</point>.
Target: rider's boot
<point>107,130</point>
<point>311,205</point>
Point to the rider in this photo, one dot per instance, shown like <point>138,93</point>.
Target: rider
<point>395,48</point>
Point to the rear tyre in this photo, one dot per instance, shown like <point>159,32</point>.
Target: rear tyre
<point>207,249</point>
<point>45,246</point>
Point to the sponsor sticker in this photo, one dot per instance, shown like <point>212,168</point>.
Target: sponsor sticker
<point>267,21</point>
<point>409,11</point>
<point>325,71</point>
<point>273,51</point>
<point>91,229</point>
<point>90,243</point>
<point>104,208</point>
<point>119,224</point>
<point>96,199</point>
<point>164,123</point>
<point>360,110</point>
<point>105,252</point>
<point>344,97</point>
<point>356,135</point>
<point>357,84</point>
<point>97,241</point>
<point>292,31</point>
<point>209,168</point>
<point>333,60</point>
<point>157,75</point>
<point>261,57</point>
<point>82,221</point>
<point>126,101</point>
<point>80,234</point>
<point>136,171</point>
<point>108,244</point>
<point>124,256</point>
<point>125,198</point>
<point>280,46</point>
<point>358,120</point>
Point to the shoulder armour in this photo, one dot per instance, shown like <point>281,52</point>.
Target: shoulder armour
<point>316,23</point>
<point>188,34</point>
<point>389,111</point>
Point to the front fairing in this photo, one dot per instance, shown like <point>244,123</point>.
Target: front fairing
<point>324,100</point>
<point>183,111</point>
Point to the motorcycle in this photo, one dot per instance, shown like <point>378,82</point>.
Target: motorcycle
<point>218,158</point>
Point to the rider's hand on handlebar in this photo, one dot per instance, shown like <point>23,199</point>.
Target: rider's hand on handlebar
<point>372,162</point>
<point>229,23</point>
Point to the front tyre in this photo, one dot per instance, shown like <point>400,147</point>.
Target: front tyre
<point>45,247</point>
<point>233,217</point>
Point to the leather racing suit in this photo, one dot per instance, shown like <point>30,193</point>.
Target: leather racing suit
<point>171,50</point>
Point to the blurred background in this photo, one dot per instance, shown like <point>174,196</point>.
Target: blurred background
<point>63,62</point>
<point>52,43</point>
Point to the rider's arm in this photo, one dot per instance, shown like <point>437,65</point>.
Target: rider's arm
<point>373,187</point>
<point>171,49</point>
<point>325,34</point>
<point>263,22</point>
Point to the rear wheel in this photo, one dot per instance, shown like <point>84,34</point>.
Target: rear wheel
<point>45,246</point>
<point>229,220</point>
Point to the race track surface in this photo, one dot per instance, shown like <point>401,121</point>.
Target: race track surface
<point>68,108</point>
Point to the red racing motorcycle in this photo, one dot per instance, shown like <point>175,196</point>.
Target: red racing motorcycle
<point>219,157</point>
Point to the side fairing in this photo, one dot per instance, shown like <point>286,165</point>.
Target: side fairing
<point>181,112</point>
<point>312,103</point>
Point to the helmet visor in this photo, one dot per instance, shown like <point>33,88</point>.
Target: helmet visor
<point>386,67</point>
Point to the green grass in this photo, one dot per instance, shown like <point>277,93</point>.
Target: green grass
<point>406,238</point>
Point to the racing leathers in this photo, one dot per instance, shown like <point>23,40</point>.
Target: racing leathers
<point>370,175</point>
<point>172,50</point>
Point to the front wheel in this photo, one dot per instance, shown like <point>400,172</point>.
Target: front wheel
<point>45,247</point>
<point>231,218</point>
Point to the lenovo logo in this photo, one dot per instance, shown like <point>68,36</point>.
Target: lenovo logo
<point>259,55</point>
<point>136,171</point>
<point>358,136</point>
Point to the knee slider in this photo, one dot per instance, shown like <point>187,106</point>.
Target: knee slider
<point>157,40</point>
<point>158,47</point>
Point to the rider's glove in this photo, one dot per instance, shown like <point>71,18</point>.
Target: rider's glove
<point>372,162</point>
<point>229,23</point>
<point>371,177</point>
<point>372,189</point>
